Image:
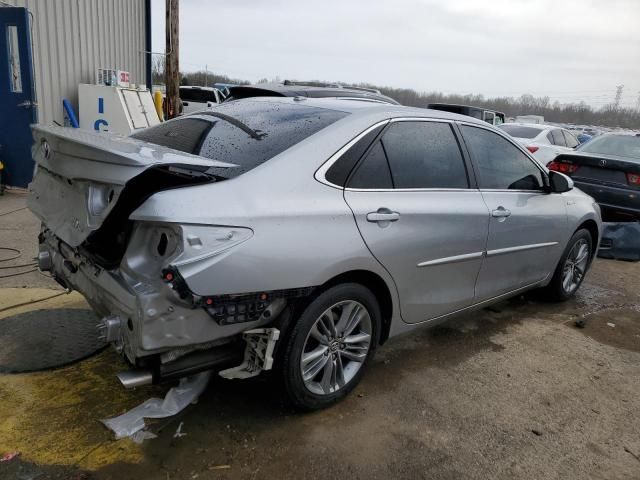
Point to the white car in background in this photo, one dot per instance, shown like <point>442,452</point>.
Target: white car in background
<point>545,142</point>
<point>195,98</point>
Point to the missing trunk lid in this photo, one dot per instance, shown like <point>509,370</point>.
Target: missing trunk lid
<point>106,245</point>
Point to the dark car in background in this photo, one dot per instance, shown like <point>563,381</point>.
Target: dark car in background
<point>607,168</point>
<point>293,89</point>
<point>490,116</point>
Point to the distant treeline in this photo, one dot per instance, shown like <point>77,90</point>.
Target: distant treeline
<point>580,113</point>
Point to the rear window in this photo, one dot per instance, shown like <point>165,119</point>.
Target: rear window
<point>622,145</point>
<point>197,95</point>
<point>246,133</point>
<point>518,131</point>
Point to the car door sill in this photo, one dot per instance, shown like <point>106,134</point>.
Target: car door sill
<point>484,302</point>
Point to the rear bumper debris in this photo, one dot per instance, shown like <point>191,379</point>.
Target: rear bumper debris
<point>620,241</point>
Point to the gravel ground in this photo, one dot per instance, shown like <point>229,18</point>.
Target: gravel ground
<point>513,392</point>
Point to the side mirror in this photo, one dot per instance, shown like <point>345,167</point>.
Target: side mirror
<point>559,182</point>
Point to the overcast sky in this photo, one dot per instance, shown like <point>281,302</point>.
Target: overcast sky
<point>569,50</point>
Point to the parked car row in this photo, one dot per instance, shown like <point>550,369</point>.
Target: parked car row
<point>607,167</point>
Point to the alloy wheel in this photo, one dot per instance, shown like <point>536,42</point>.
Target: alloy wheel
<point>575,266</point>
<point>336,347</point>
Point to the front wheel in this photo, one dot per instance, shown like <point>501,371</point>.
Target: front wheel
<point>330,345</point>
<point>571,269</point>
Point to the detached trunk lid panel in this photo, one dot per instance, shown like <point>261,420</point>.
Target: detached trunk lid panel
<point>81,176</point>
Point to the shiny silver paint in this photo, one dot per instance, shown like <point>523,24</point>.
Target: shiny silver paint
<point>439,252</point>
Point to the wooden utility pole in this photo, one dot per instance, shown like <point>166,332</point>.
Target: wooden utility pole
<point>172,67</point>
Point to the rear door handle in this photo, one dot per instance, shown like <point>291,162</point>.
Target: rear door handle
<point>500,212</point>
<point>383,215</point>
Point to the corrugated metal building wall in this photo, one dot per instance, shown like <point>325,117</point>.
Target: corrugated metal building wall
<point>72,38</point>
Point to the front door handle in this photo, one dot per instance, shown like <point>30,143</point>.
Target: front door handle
<point>500,212</point>
<point>383,215</point>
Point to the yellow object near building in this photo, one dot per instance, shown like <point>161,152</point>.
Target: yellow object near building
<point>157,100</point>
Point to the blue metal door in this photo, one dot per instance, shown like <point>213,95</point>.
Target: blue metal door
<point>17,97</point>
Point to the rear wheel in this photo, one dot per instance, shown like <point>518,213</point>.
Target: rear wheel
<point>571,269</point>
<point>330,345</point>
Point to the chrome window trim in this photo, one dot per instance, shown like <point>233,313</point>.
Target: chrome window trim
<point>409,190</point>
<point>491,190</point>
<point>320,174</point>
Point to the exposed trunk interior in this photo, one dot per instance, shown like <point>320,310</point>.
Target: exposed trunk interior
<point>106,246</point>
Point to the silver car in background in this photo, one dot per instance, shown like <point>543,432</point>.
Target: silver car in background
<point>304,232</point>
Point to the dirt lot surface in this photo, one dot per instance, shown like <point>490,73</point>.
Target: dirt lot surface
<point>515,391</point>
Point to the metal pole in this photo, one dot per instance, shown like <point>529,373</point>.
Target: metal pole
<point>172,67</point>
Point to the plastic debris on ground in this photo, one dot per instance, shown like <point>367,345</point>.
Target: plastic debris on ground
<point>179,433</point>
<point>141,435</point>
<point>620,241</point>
<point>9,456</point>
<point>176,400</point>
<point>612,325</point>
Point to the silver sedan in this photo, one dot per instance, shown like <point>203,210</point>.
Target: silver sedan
<point>302,233</point>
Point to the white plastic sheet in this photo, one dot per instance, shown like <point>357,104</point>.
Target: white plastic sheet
<point>176,400</point>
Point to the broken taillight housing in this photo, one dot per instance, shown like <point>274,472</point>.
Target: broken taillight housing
<point>633,179</point>
<point>566,168</point>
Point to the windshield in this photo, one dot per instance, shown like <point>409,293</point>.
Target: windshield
<point>246,133</point>
<point>519,131</point>
<point>620,145</point>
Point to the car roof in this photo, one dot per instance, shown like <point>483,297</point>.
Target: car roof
<point>364,106</point>
<point>280,90</point>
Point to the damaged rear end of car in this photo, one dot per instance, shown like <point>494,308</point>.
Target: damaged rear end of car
<point>155,279</point>
<point>84,190</point>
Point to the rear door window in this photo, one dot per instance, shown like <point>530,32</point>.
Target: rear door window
<point>373,172</point>
<point>340,170</point>
<point>501,165</point>
<point>570,140</point>
<point>246,133</point>
<point>558,138</point>
<point>424,155</point>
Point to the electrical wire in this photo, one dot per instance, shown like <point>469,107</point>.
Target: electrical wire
<point>12,211</point>
<point>4,309</point>
<point>9,249</point>
<point>8,267</point>
<point>19,273</point>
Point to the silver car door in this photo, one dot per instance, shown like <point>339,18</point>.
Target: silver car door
<point>527,223</point>
<point>415,207</point>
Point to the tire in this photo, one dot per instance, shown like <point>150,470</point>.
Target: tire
<point>338,364</point>
<point>559,290</point>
